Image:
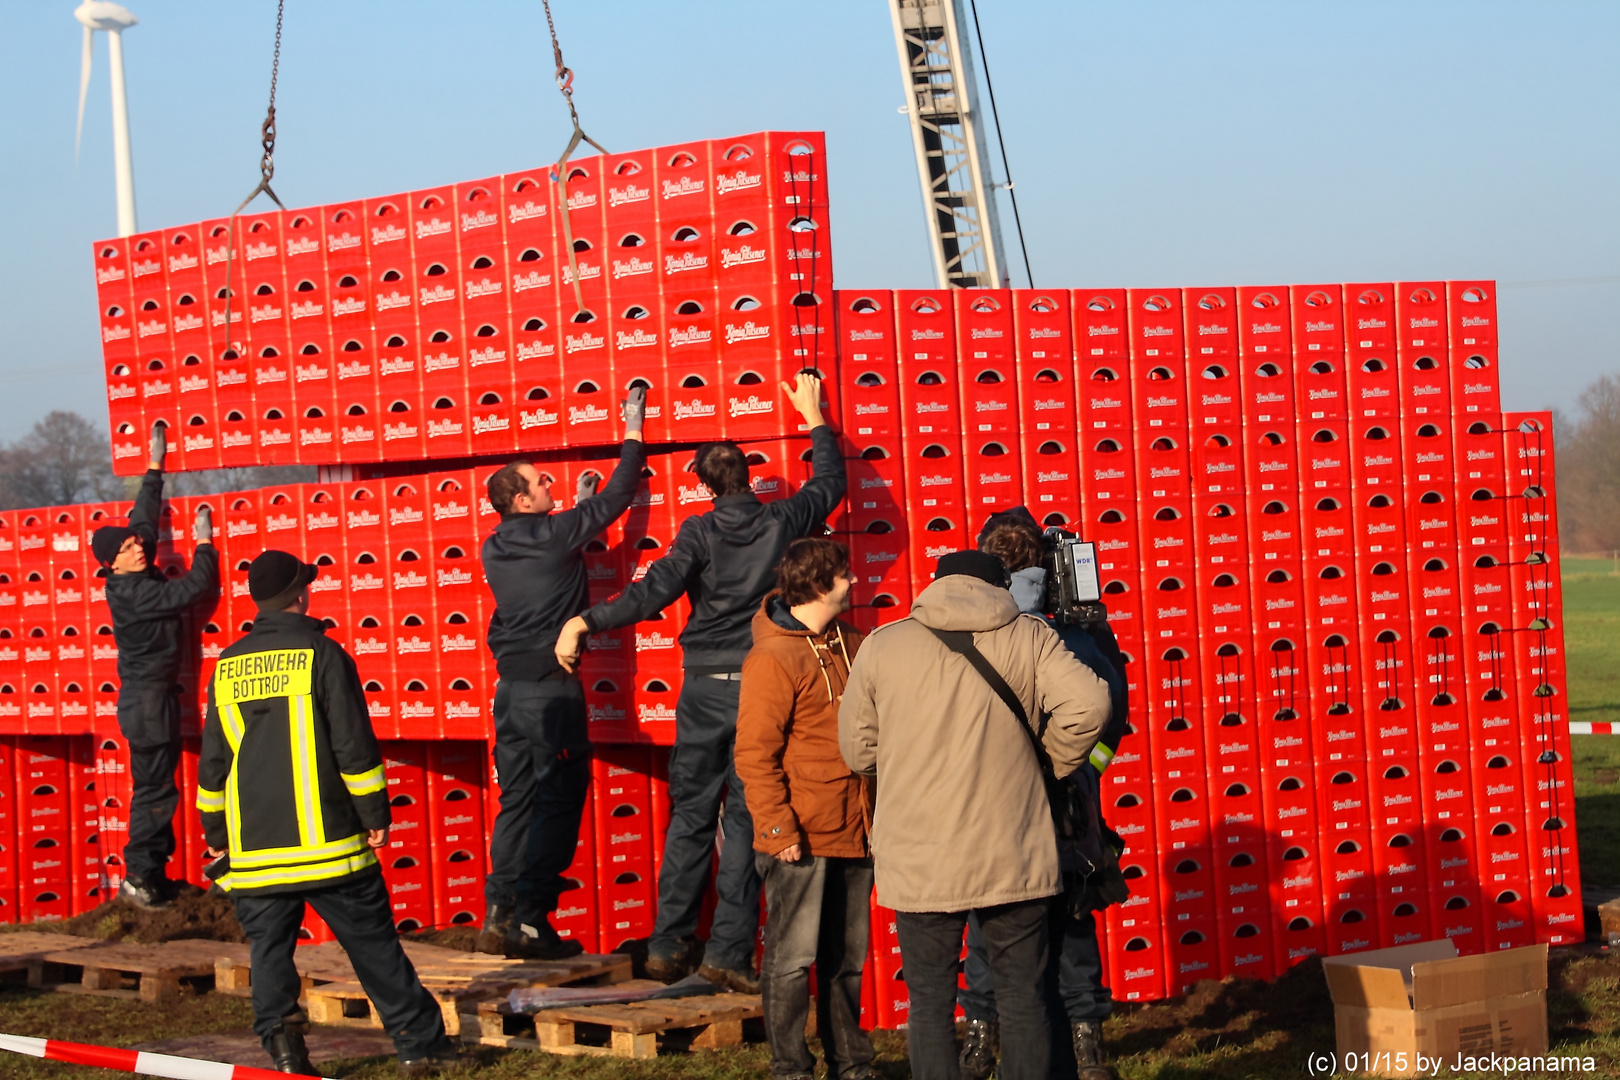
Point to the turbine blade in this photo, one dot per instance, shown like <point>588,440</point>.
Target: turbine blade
<point>84,88</point>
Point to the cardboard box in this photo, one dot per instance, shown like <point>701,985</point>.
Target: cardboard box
<point>1421,1002</point>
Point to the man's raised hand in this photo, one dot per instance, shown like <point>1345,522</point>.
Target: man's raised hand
<point>160,445</point>
<point>804,393</point>
<point>586,487</point>
<point>634,407</point>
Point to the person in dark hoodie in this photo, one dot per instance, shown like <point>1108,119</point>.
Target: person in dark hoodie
<point>534,565</point>
<point>1076,996</point>
<point>146,607</point>
<point>725,562</point>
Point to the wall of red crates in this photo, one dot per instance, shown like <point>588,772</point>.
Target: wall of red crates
<point>443,323</point>
<point>64,818</point>
<point>1330,556</point>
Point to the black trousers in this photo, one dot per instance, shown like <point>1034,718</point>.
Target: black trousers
<point>818,912</point>
<point>1015,944</point>
<point>357,910</point>
<point>1073,981</point>
<point>149,717</point>
<point>1074,974</point>
<point>543,760</point>
<point>701,774</point>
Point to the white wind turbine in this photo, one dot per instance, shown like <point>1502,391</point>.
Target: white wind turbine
<point>115,19</point>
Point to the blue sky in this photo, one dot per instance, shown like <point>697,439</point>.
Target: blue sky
<point>1153,143</point>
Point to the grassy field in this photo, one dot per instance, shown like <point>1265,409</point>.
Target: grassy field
<point>1223,1031</point>
<point>1592,645</point>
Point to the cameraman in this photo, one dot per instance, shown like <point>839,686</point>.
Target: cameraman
<point>1074,972</point>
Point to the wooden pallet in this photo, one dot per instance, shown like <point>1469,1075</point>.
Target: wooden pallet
<point>324,963</point>
<point>23,953</point>
<point>631,1030</point>
<point>457,980</point>
<point>152,973</point>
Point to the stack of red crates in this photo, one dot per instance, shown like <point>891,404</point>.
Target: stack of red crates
<point>448,322</point>
<point>1329,557</point>
<point>1305,544</point>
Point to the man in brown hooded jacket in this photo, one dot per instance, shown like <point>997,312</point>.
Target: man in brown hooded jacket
<point>809,811</point>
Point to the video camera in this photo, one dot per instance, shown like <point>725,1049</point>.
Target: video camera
<point>1073,592</point>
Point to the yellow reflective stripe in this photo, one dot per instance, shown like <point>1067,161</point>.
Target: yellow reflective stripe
<point>301,736</point>
<point>262,857</point>
<point>1101,757</point>
<point>210,802</point>
<point>294,875</point>
<point>231,719</point>
<point>367,783</point>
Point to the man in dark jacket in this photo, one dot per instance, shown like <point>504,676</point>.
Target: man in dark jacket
<point>146,609</point>
<point>294,804</point>
<point>725,562</point>
<point>542,745</point>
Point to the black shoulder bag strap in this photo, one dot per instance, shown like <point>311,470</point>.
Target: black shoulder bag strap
<point>1068,817</point>
<point>961,643</point>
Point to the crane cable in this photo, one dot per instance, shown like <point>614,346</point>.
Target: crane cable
<point>267,170</point>
<point>1005,166</point>
<point>559,171</point>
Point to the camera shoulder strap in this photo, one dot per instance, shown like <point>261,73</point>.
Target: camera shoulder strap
<point>961,643</point>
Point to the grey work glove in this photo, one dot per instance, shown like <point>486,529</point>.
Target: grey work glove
<point>202,527</point>
<point>588,483</point>
<point>160,445</point>
<point>634,406</point>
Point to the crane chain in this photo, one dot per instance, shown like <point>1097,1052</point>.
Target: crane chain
<point>267,171</point>
<point>267,130</point>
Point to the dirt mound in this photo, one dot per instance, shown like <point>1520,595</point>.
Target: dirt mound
<point>1259,1018</point>
<point>461,938</point>
<point>193,915</point>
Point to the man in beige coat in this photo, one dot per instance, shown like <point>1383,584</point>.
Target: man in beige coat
<point>962,822</point>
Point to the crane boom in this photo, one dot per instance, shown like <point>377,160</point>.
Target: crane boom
<point>952,157</point>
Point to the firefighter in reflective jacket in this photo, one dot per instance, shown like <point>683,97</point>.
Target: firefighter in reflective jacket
<point>294,804</point>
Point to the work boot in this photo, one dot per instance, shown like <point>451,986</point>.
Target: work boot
<point>492,938</point>
<point>981,1043</point>
<point>538,941</point>
<point>673,967</point>
<point>446,1058</point>
<point>742,980</point>
<point>287,1051</point>
<point>1088,1051</point>
<point>144,893</point>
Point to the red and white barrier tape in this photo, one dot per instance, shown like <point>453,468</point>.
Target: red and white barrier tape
<point>134,1061</point>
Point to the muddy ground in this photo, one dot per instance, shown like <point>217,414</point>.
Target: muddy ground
<point>1234,1028</point>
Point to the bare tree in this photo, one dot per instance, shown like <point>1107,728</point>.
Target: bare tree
<point>63,459</point>
<point>1589,470</point>
<point>215,481</point>
<point>67,459</point>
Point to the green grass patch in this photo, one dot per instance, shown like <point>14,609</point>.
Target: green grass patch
<point>1592,649</point>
